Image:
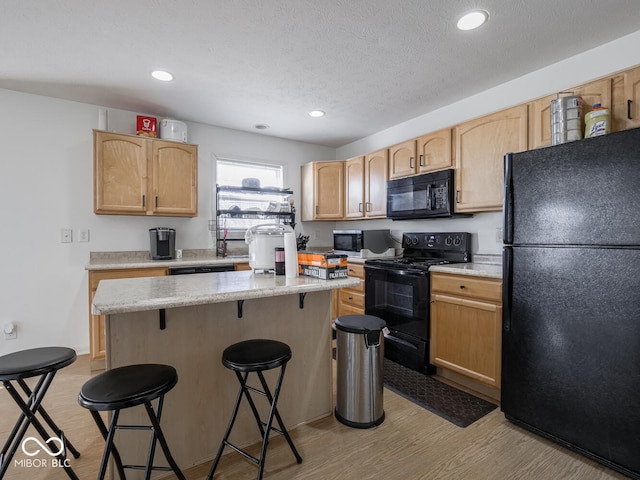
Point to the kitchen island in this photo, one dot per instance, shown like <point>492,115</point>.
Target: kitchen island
<point>187,321</point>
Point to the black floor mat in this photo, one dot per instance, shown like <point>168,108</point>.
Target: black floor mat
<point>456,406</point>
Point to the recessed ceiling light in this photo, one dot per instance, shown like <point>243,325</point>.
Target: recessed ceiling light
<point>316,113</point>
<point>261,126</point>
<point>162,75</point>
<point>473,20</point>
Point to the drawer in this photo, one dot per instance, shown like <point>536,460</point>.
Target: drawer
<point>355,270</point>
<point>465,286</point>
<point>351,297</point>
<point>358,288</point>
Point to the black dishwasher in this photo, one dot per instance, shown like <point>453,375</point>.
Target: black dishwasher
<point>220,267</point>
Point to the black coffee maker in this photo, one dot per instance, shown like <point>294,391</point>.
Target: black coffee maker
<point>163,243</point>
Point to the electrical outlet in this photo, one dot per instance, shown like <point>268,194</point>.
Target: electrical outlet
<point>83,235</point>
<point>498,235</point>
<point>66,235</point>
<point>316,234</point>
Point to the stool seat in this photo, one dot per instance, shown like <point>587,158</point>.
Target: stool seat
<point>128,386</point>
<point>256,355</point>
<point>34,362</point>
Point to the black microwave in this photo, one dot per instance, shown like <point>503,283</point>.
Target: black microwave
<point>352,242</point>
<point>430,195</point>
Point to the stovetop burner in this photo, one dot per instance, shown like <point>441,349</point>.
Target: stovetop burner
<point>424,250</point>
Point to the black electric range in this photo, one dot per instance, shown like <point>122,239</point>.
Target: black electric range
<point>397,290</point>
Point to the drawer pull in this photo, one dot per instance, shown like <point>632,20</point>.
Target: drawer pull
<point>462,286</point>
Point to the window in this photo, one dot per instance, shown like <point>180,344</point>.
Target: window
<point>231,172</point>
<point>238,209</point>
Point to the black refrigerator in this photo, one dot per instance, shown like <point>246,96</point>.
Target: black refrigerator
<point>571,294</point>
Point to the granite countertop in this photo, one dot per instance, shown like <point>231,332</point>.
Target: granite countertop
<point>474,269</point>
<point>483,265</point>
<point>142,259</point>
<point>154,293</point>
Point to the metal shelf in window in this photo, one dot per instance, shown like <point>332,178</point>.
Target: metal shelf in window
<point>239,208</point>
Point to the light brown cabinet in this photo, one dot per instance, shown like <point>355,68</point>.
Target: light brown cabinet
<point>144,176</point>
<point>466,326</point>
<point>481,145</point>
<point>402,159</point>
<point>540,110</point>
<point>630,117</point>
<point>351,300</point>
<point>366,185</point>
<point>427,153</point>
<point>322,190</point>
<point>97,345</point>
<point>434,151</point>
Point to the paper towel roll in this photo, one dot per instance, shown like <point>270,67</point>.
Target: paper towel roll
<point>290,255</point>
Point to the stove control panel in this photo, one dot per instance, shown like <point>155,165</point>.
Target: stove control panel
<point>454,241</point>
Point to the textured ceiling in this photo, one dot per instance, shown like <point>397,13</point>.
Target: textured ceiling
<point>370,64</point>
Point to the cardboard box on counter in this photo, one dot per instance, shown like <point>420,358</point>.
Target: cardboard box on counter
<point>326,266</point>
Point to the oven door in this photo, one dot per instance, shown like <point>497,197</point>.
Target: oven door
<point>421,196</point>
<point>401,299</point>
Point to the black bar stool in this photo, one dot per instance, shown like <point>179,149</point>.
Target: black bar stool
<point>16,367</point>
<point>126,387</point>
<point>256,356</point>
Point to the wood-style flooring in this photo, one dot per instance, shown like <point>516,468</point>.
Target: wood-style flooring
<point>411,444</point>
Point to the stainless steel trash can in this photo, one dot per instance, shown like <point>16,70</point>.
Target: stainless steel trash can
<point>359,365</point>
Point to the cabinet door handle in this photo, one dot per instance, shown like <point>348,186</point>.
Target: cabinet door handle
<point>422,160</point>
<point>316,209</point>
<point>360,207</point>
<point>144,200</point>
<point>457,196</point>
<point>410,162</point>
<point>629,102</point>
<point>156,201</point>
<point>367,207</point>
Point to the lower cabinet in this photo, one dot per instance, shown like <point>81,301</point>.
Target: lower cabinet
<point>466,326</point>
<point>97,342</point>
<point>242,266</point>
<point>351,300</point>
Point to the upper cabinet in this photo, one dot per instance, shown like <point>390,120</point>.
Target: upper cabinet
<point>402,159</point>
<point>143,176</point>
<point>425,154</point>
<point>629,107</point>
<point>481,145</point>
<point>540,110</point>
<point>366,185</point>
<point>323,190</point>
<point>434,151</point>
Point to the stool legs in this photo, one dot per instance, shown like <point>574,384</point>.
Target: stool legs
<point>28,417</point>
<point>265,428</point>
<point>156,436</point>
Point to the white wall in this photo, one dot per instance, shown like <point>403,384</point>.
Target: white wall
<point>46,183</point>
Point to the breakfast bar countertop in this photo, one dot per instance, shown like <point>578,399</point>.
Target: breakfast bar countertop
<point>154,293</point>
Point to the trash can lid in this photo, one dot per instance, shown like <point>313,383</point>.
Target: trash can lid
<point>359,323</point>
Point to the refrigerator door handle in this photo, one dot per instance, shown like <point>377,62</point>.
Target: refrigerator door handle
<point>507,287</point>
<point>507,217</point>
